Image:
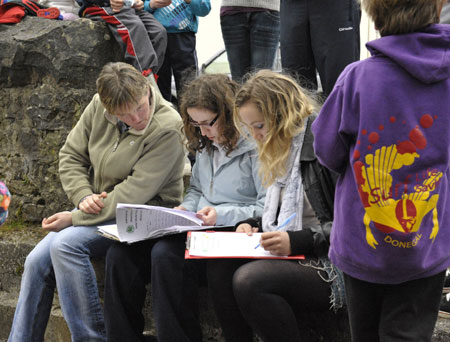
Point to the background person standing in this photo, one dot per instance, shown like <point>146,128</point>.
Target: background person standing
<point>322,35</point>
<point>250,31</point>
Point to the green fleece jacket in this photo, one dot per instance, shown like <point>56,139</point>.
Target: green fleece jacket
<point>133,167</point>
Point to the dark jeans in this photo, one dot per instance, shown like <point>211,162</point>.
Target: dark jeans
<point>264,296</point>
<point>387,313</point>
<point>251,40</point>
<point>174,290</point>
<point>180,61</point>
<point>322,35</point>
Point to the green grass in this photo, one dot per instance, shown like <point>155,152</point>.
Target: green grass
<point>22,227</point>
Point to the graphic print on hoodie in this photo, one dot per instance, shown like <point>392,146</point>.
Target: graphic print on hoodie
<point>385,128</point>
<point>401,206</point>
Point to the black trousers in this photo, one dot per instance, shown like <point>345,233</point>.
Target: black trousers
<point>174,284</point>
<point>264,296</point>
<point>180,61</point>
<point>387,313</point>
<point>322,35</point>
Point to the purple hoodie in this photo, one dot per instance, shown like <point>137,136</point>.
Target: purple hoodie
<point>385,129</point>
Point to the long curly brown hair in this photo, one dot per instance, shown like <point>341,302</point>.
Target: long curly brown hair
<point>215,92</point>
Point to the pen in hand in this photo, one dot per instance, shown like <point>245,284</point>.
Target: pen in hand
<point>284,224</point>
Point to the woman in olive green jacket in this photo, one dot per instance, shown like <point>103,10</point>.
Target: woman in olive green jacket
<point>126,147</point>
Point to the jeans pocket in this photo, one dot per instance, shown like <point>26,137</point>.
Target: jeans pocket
<point>273,15</point>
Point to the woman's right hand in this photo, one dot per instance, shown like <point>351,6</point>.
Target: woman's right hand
<point>246,228</point>
<point>93,204</point>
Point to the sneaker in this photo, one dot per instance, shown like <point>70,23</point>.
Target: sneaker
<point>447,282</point>
<point>444,310</point>
<point>48,13</point>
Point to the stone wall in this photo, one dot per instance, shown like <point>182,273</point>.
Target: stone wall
<point>48,70</point>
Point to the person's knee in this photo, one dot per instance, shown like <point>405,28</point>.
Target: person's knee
<point>242,283</point>
<point>115,253</point>
<point>165,253</point>
<point>65,245</point>
<point>34,262</point>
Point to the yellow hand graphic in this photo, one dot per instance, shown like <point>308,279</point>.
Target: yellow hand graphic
<point>369,236</point>
<point>435,229</point>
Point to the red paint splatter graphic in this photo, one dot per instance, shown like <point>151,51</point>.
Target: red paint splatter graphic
<point>417,138</point>
<point>426,121</point>
<point>356,154</point>
<point>374,137</point>
<point>357,167</point>
<point>364,132</point>
<point>381,127</point>
<point>392,119</point>
<point>358,142</point>
<point>369,147</point>
<point>406,147</point>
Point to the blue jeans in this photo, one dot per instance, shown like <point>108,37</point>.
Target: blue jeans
<point>251,40</point>
<point>61,259</point>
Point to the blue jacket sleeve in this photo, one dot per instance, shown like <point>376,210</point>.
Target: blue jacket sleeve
<point>230,214</point>
<point>147,6</point>
<point>200,8</point>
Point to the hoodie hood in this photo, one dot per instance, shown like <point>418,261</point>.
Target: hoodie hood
<point>425,54</point>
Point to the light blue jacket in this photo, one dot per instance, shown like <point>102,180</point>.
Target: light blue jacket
<point>234,190</point>
<point>180,16</point>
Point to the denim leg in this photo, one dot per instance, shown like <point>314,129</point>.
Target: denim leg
<point>36,294</point>
<point>251,41</point>
<point>174,292</point>
<point>236,36</point>
<point>264,37</point>
<point>70,253</point>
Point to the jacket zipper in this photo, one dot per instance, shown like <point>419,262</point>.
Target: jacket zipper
<point>106,156</point>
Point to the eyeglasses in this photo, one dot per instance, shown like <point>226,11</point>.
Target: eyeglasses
<point>210,124</point>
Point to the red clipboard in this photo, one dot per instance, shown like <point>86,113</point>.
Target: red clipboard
<point>188,255</point>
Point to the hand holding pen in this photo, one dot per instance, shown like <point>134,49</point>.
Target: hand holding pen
<point>278,242</point>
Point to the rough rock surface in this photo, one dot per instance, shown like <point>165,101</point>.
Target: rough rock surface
<point>48,70</point>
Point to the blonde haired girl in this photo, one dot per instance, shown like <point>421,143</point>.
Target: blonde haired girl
<point>284,106</point>
<point>265,296</point>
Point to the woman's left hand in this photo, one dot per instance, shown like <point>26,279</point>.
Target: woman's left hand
<point>58,221</point>
<point>208,215</point>
<point>277,243</point>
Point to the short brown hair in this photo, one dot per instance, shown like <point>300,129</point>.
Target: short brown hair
<point>216,93</point>
<point>120,85</point>
<point>402,16</point>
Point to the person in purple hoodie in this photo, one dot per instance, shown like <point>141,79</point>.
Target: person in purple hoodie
<point>385,128</point>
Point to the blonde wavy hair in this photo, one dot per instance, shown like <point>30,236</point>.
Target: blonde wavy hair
<point>284,106</point>
<point>402,16</point>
